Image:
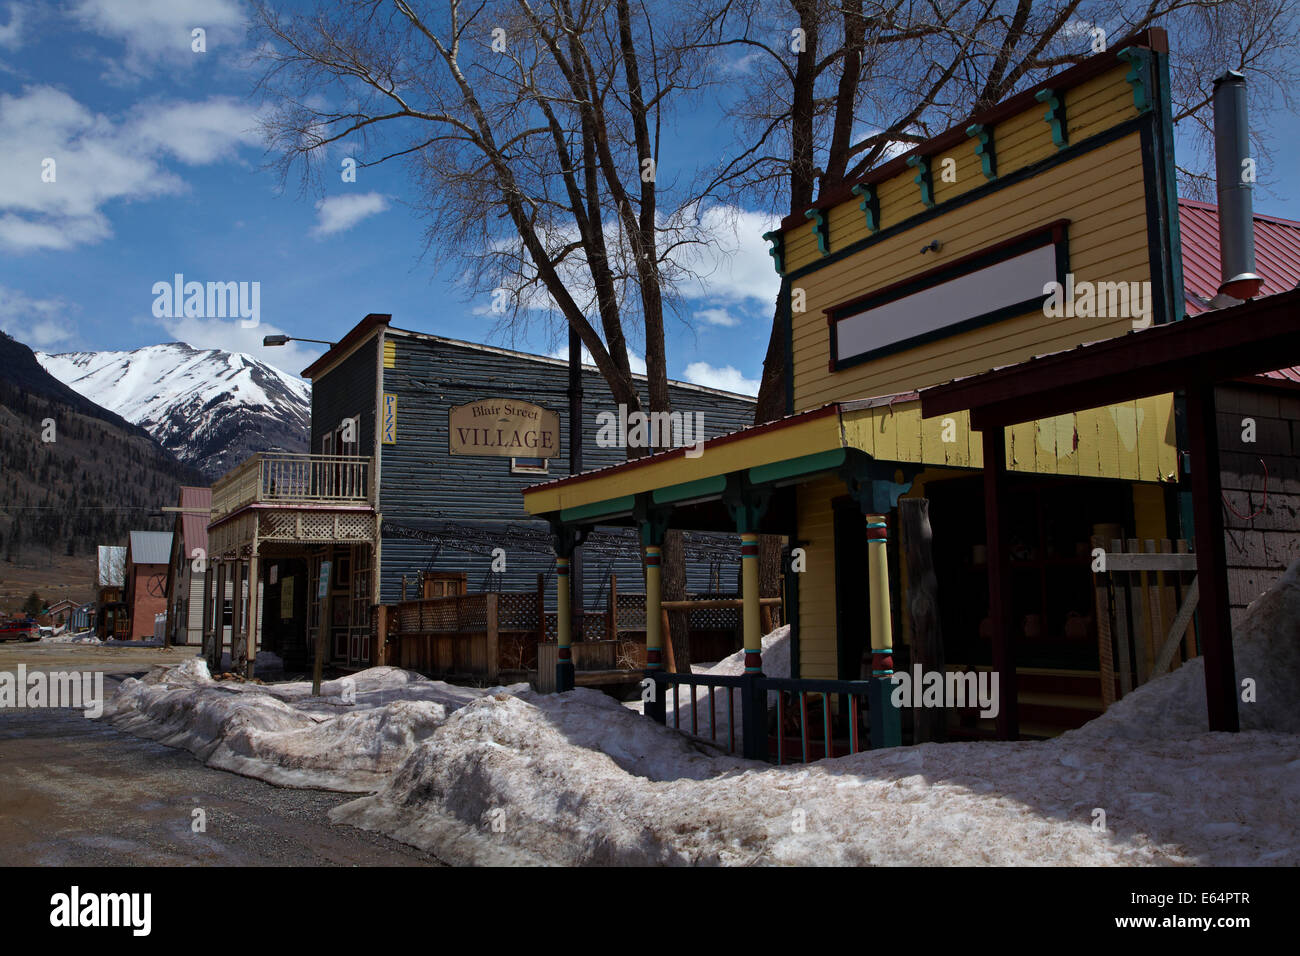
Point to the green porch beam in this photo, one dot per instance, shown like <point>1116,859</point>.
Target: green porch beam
<point>794,467</point>
<point>700,488</point>
<point>598,509</point>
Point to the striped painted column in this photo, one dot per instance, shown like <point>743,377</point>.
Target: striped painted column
<point>654,635</point>
<point>749,593</point>
<point>882,651</point>
<point>563,627</point>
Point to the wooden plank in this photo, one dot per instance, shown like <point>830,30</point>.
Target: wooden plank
<point>1119,580</point>
<point>1189,642</point>
<point>1177,629</point>
<point>928,723</point>
<point>1105,646</point>
<point>1155,608</point>
<point>1141,618</point>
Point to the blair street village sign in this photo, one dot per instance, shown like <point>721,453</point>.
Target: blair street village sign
<point>504,428</point>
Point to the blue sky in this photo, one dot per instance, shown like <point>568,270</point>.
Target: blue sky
<point>159,170</point>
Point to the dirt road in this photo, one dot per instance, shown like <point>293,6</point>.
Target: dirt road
<point>75,791</point>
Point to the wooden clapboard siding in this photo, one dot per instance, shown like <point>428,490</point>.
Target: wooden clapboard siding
<point>1108,242</point>
<point>1092,107</point>
<point>818,644</point>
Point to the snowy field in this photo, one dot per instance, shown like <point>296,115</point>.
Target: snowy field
<point>510,776</point>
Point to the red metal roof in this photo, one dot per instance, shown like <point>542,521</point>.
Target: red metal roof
<point>1277,259</point>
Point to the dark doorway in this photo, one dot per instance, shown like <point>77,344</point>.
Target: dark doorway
<point>852,615</point>
<point>284,610</point>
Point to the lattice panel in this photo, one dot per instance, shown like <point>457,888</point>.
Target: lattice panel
<point>517,612</point>
<point>308,526</point>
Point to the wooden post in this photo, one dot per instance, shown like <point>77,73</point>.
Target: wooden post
<point>208,584</point>
<point>999,571</point>
<point>253,622</point>
<point>379,653</point>
<point>928,723</point>
<point>322,632</point>
<point>493,637</point>
<point>563,628</point>
<point>611,630</point>
<point>886,723</point>
<point>1211,561</point>
<point>1105,644</point>
<point>1119,582</point>
<point>753,697</point>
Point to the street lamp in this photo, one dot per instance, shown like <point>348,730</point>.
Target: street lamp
<point>286,339</point>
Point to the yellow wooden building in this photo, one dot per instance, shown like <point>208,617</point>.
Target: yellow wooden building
<point>933,267</point>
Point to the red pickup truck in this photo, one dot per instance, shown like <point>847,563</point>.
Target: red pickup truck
<point>19,630</point>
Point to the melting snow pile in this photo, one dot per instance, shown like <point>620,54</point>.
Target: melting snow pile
<point>350,738</point>
<point>507,775</point>
<point>76,637</point>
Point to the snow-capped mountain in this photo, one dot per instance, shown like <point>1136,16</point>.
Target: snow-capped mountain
<point>210,408</point>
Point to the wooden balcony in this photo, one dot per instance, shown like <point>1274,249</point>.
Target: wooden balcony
<point>284,479</point>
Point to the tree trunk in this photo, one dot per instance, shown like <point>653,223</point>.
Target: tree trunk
<point>928,723</point>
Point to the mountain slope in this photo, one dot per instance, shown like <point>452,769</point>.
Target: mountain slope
<point>209,407</point>
<point>99,477</point>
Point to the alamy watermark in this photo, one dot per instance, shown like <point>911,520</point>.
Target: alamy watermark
<point>214,300</point>
<point>1102,300</point>
<point>651,430</point>
<point>79,690</point>
<point>924,688</point>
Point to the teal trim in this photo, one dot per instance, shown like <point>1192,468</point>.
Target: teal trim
<point>870,205</point>
<point>819,230</point>
<point>984,149</point>
<point>1139,75</point>
<point>922,178</point>
<point>598,509</point>
<point>1176,296</point>
<point>794,467</point>
<point>777,251</point>
<point>690,489</point>
<point>1055,115</point>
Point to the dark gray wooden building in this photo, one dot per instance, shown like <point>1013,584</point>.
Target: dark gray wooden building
<point>383,498</point>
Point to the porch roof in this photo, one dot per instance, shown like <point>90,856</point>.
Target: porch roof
<point>1132,441</point>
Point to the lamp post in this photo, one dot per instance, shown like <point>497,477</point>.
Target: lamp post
<point>269,340</point>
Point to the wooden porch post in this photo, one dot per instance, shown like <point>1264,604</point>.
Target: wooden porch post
<point>563,627</point>
<point>219,623</point>
<point>208,584</point>
<point>253,621</point>
<point>886,720</point>
<point>654,630</point>
<point>999,572</point>
<point>749,585</point>
<point>1211,561</point>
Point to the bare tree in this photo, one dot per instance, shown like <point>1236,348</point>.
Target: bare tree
<point>533,128</point>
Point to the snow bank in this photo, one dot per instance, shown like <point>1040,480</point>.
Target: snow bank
<point>575,779</point>
<point>349,738</point>
<point>1266,648</point>
<point>77,637</point>
<point>510,776</point>
<point>776,663</point>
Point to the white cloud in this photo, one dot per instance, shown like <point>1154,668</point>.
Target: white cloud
<point>198,133</point>
<point>97,160</point>
<point>727,378</point>
<point>233,337</point>
<point>734,265</point>
<point>158,32</point>
<point>341,213</point>
<point>635,362</point>
<point>37,323</point>
<point>719,317</point>
<point>11,32</point>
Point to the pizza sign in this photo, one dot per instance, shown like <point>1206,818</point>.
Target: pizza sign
<point>503,428</point>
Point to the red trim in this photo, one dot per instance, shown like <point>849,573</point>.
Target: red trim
<point>359,332</point>
<point>830,409</point>
<point>1154,39</point>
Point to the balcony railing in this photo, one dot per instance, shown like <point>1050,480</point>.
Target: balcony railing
<point>294,479</point>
